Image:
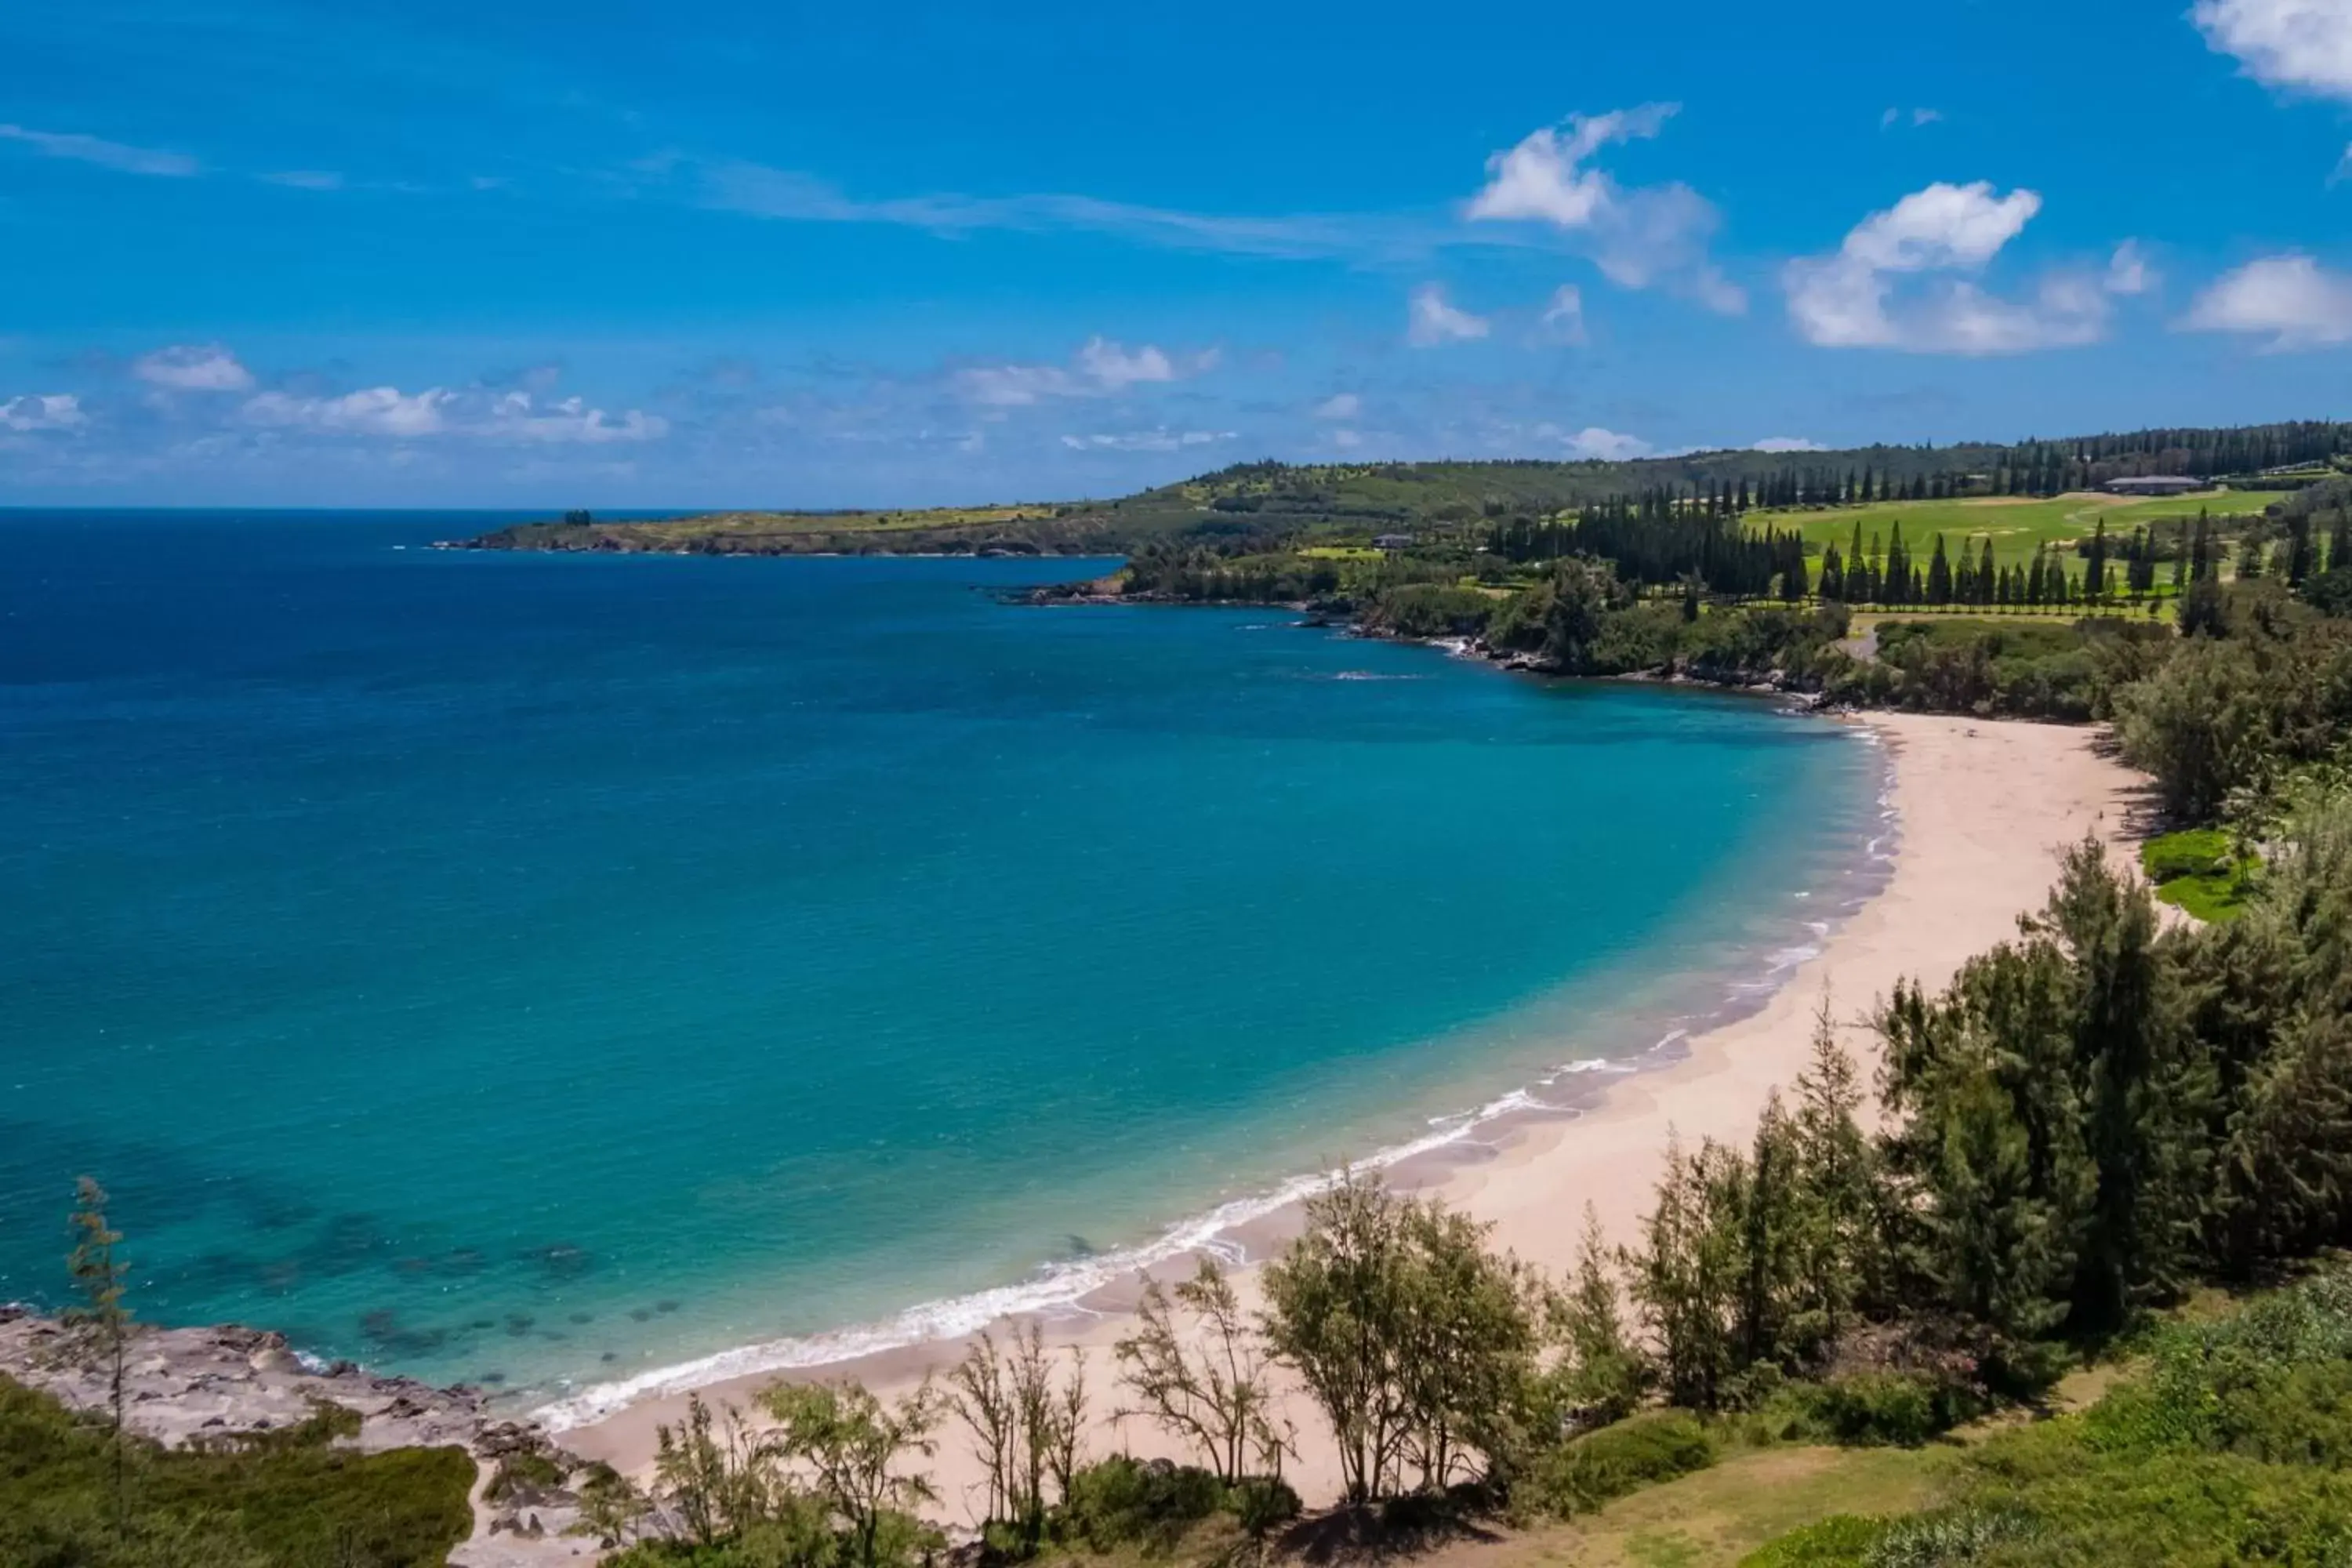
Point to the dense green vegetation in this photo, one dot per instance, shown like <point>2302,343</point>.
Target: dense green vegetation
<point>1266,507</point>
<point>2201,870</point>
<point>289,1501</point>
<point>2231,1446</point>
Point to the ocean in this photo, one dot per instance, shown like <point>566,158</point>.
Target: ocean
<point>547,970</point>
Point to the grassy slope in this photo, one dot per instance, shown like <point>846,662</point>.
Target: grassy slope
<point>2014,524</point>
<point>295,1503</point>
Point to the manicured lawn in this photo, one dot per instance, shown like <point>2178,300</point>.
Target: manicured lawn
<point>2015,525</point>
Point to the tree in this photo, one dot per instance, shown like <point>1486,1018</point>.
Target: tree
<point>2095,576</point>
<point>716,1479</point>
<point>1682,1275</point>
<point>97,1327</point>
<point>1468,1355</point>
<point>1335,1314</point>
<point>1215,1398</point>
<point>1416,1343</point>
<point>1939,576</point>
<point>1838,1259</point>
<point>612,1508</point>
<point>1603,1376</point>
<point>853,1446</point>
<point>1027,1429</point>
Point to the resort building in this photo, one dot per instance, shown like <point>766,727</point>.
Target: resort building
<point>2155,485</point>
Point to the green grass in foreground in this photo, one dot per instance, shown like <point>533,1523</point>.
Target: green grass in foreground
<point>2197,870</point>
<point>293,1503</point>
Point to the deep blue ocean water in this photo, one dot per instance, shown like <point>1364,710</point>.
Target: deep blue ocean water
<point>549,968</point>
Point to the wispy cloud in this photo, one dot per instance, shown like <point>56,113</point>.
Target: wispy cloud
<point>42,411</point>
<point>1158,440</point>
<point>760,191</point>
<point>1912,117</point>
<point>1563,317</point>
<point>117,155</point>
<point>1786,444</point>
<point>306,179</point>
<point>1099,368</point>
<point>386,412</point>
<point>1432,320</point>
<point>1339,405</point>
<point>1637,236</point>
<point>193,367</point>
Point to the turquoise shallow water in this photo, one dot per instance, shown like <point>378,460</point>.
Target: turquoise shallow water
<point>552,968</point>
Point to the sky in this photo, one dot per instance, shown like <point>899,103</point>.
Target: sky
<point>622,256</point>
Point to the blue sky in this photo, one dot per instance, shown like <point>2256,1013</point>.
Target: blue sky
<point>628,256</point>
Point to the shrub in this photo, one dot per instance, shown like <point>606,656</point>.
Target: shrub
<point>1262,1503</point>
<point>1585,1472</point>
<point>290,1503</point>
<point>1123,1502</point>
<point>1841,1541</point>
<point>1885,1409</point>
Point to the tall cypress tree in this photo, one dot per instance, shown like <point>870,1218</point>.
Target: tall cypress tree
<point>1939,576</point>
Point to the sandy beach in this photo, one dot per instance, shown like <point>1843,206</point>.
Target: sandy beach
<point>1982,810</point>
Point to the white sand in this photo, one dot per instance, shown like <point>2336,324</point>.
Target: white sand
<point>1982,808</point>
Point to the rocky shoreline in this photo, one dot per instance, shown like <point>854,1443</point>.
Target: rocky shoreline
<point>193,1386</point>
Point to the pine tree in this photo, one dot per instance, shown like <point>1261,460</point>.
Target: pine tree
<point>1939,576</point>
<point>98,1327</point>
<point>2094,578</point>
<point>1832,585</point>
<point>1985,580</point>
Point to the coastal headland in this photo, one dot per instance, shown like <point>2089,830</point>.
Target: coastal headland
<point>1980,811</point>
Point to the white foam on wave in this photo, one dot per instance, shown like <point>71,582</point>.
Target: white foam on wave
<point>1058,1286</point>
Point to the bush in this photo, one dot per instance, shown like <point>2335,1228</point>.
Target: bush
<point>1885,1410</point>
<point>1125,1501</point>
<point>1841,1541</point>
<point>1585,1472</point>
<point>1262,1503</point>
<point>293,1503</point>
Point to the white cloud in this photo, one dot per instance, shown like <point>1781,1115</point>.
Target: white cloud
<point>1592,441</point>
<point>43,411</point>
<point>2128,271</point>
<point>2304,44</point>
<point>1434,320</point>
<point>513,416</point>
<point>1847,298</point>
<point>1894,117</point>
<point>2293,300</point>
<point>1339,405</point>
<point>1114,368</point>
<point>307,179</point>
<point>1563,317</point>
<point>1637,236</point>
<point>106,154</point>
<point>1159,440</point>
<point>377,411</point>
<point>1099,368</point>
<point>1345,438</point>
<point>193,367</point>
<point>1787,444</point>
